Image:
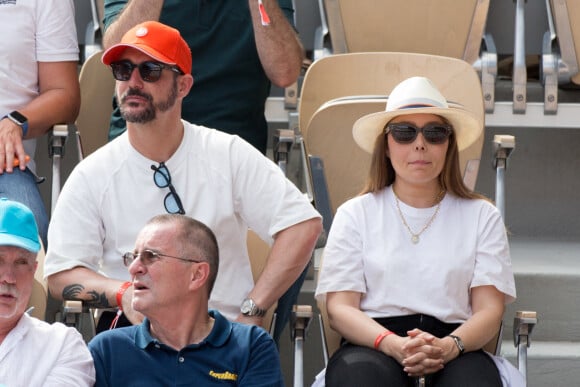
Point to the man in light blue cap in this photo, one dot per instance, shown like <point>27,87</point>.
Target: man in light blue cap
<point>32,352</point>
<point>17,227</point>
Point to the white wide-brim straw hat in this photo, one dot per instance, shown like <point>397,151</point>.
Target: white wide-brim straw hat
<point>418,95</point>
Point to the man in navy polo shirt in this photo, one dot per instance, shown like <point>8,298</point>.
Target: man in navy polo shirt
<point>173,268</point>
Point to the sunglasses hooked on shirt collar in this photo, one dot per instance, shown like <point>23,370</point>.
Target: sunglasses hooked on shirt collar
<point>149,71</point>
<point>406,133</point>
<point>162,179</point>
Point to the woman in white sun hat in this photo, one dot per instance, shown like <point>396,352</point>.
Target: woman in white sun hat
<point>416,271</point>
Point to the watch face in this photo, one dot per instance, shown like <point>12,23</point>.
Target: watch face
<point>18,117</point>
<point>246,307</point>
<point>458,343</point>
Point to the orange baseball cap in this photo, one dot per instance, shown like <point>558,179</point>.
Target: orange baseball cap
<point>159,41</point>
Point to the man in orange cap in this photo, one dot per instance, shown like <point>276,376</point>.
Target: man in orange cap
<point>240,47</point>
<point>165,164</point>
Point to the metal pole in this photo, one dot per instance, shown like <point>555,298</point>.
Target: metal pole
<point>298,360</point>
<point>500,187</point>
<point>503,145</point>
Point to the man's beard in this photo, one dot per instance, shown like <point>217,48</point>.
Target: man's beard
<point>149,113</point>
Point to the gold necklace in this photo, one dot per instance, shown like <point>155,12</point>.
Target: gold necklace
<point>415,236</point>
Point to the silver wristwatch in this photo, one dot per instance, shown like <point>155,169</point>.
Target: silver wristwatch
<point>249,308</point>
<point>458,343</point>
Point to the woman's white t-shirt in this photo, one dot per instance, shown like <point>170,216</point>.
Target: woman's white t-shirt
<point>369,250</point>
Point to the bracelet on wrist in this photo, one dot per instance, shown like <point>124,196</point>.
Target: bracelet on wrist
<point>120,293</point>
<point>381,336</point>
<point>264,18</point>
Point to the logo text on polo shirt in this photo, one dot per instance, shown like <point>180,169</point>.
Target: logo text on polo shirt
<point>223,375</point>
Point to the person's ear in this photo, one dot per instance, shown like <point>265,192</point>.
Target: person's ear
<point>184,85</point>
<point>200,275</point>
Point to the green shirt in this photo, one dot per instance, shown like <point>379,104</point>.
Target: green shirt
<point>230,87</point>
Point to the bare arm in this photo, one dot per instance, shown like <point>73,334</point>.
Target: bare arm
<point>349,321</point>
<point>279,47</point>
<point>135,12</point>
<point>94,289</point>
<point>358,328</point>
<point>58,102</point>
<point>488,308</point>
<point>288,257</point>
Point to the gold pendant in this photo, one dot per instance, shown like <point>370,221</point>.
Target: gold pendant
<point>415,239</point>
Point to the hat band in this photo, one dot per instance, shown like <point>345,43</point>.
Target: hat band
<point>417,102</point>
<point>417,106</point>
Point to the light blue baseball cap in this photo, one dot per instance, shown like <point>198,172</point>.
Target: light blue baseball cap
<point>17,226</point>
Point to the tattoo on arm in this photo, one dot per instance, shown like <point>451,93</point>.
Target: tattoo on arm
<point>73,292</point>
<point>98,300</point>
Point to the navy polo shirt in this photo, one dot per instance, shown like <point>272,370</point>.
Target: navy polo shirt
<point>233,354</point>
<point>230,87</point>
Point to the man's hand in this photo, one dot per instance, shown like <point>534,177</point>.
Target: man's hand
<point>11,147</point>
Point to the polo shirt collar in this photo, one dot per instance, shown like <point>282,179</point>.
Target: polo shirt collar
<point>143,336</point>
<point>221,331</point>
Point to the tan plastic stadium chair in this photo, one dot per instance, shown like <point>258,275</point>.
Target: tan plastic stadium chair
<point>258,251</point>
<point>566,14</point>
<point>97,89</point>
<point>561,50</point>
<point>444,27</point>
<point>94,29</point>
<point>39,296</point>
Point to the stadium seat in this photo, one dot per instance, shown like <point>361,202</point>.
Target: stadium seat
<point>38,299</point>
<point>446,28</point>
<point>561,51</point>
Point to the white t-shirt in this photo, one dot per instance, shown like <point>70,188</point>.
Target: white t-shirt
<point>33,31</point>
<point>222,181</point>
<point>36,354</point>
<point>369,251</point>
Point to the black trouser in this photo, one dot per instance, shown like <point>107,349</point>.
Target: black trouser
<point>356,366</point>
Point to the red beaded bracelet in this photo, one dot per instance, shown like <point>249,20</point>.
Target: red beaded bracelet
<point>381,336</point>
<point>120,293</point>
